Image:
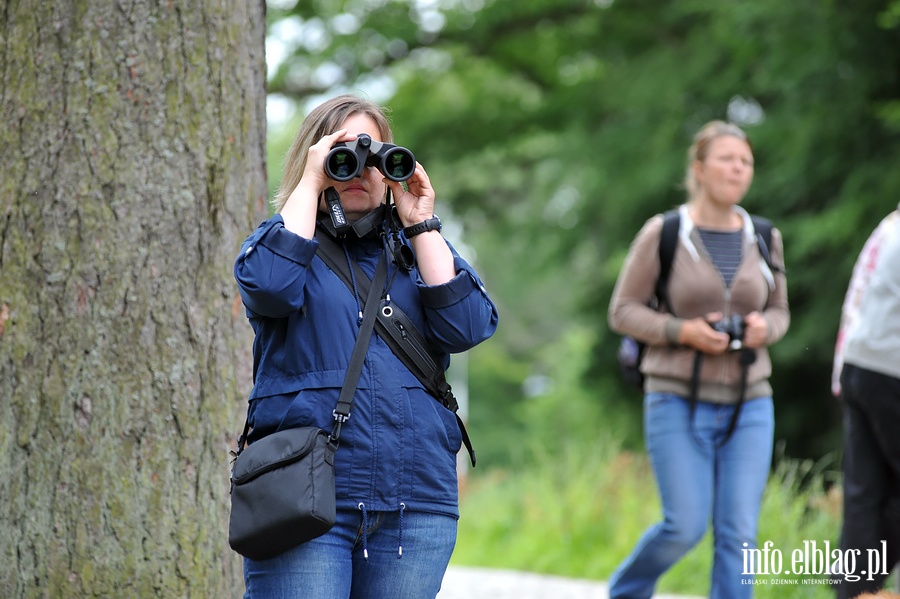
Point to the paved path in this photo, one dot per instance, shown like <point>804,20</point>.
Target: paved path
<point>463,582</point>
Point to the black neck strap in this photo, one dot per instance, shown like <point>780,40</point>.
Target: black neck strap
<point>369,223</point>
<point>748,356</point>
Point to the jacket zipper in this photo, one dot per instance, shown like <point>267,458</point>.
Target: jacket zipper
<point>726,314</point>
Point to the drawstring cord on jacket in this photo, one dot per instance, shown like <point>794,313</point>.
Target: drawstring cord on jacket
<point>387,285</point>
<point>359,318</point>
<point>365,530</point>
<point>389,248</point>
<point>400,539</point>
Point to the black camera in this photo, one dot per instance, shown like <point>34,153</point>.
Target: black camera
<point>734,326</point>
<point>347,160</point>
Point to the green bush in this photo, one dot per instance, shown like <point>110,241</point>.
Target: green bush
<point>579,510</point>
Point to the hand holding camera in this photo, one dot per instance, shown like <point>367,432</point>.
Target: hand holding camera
<point>756,330</point>
<point>734,327</point>
<point>714,334</point>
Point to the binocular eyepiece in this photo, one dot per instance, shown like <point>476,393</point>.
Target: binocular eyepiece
<point>347,160</point>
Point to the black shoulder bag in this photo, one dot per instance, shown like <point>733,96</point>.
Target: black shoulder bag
<point>401,335</point>
<point>282,486</point>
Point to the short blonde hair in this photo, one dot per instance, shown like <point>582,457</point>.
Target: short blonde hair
<point>324,119</point>
<point>700,148</point>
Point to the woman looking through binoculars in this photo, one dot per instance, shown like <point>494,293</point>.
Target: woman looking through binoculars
<point>395,468</point>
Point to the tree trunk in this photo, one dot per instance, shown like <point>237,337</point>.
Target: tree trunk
<point>132,137</point>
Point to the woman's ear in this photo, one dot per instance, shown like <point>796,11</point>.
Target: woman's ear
<point>697,169</point>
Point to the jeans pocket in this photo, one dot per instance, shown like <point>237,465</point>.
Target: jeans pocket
<point>658,400</point>
<point>665,412</point>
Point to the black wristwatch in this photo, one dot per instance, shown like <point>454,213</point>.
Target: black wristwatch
<point>432,224</point>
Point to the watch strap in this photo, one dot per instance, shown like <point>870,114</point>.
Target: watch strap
<point>431,224</point>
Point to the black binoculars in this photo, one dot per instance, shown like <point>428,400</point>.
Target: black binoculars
<point>348,160</point>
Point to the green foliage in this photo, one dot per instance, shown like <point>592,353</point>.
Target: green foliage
<point>495,398</point>
<point>554,128</point>
<point>570,499</point>
<point>567,410</point>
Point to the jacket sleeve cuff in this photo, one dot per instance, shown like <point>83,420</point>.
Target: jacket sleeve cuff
<point>449,293</point>
<point>673,328</point>
<point>770,335</point>
<point>286,244</point>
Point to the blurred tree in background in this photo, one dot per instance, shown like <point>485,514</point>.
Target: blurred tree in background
<point>552,129</point>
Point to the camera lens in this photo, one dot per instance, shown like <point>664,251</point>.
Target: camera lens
<point>341,164</point>
<point>398,164</point>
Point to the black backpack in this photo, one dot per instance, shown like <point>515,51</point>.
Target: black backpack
<point>631,351</point>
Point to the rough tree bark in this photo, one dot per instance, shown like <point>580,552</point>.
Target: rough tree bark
<point>132,137</point>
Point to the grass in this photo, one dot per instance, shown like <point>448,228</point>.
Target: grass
<point>579,513</point>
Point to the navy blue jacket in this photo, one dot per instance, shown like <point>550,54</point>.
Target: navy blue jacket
<point>400,444</point>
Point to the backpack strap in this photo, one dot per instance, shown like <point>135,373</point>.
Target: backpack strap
<point>668,241</point>
<point>763,228</point>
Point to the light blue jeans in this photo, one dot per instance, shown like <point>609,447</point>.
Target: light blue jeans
<point>697,481</point>
<point>335,566</point>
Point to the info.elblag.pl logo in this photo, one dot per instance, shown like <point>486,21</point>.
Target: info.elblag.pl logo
<point>815,560</point>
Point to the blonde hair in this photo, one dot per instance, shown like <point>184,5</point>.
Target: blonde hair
<point>324,119</point>
<point>700,148</point>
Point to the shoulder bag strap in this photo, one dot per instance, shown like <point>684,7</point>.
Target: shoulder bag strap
<point>354,369</point>
<point>401,335</point>
<point>358,357</point>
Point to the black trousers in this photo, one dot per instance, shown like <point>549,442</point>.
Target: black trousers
<point>871,470</point>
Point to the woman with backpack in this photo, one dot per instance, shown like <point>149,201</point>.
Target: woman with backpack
<point>708,416</point>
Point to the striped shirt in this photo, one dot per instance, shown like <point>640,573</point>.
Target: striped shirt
<point>724,248</point>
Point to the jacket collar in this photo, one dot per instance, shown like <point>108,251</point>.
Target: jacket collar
<point>369,226</point>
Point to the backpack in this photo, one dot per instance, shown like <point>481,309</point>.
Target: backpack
<point>631,351</point>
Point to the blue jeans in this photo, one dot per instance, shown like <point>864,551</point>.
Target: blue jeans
<point>361,558</point>
<point>697,481</point>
